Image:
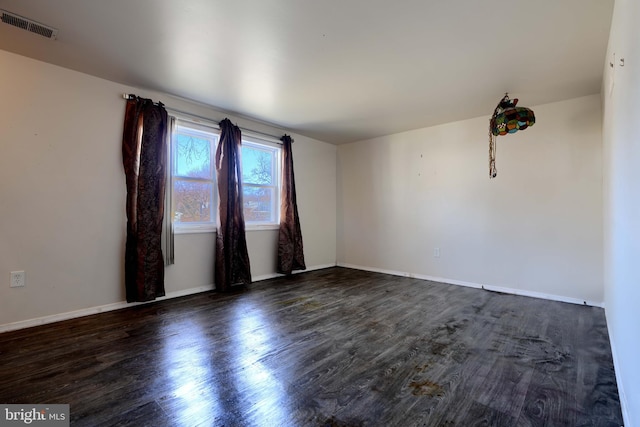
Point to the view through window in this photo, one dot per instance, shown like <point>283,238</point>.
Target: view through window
<point>260,183</point>
<point>193,180</point>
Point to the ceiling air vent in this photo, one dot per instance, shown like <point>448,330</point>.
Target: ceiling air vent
<point>28,24</point>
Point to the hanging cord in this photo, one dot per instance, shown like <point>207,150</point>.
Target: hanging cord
<point>493,172</point>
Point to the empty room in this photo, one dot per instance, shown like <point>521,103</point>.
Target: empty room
<point>305,213</point>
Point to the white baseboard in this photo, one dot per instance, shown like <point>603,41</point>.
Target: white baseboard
<point>95,310</point>
<point>505,290</point>
<point>621,394</point>
<point>274,275</point>
<point>123,304</point>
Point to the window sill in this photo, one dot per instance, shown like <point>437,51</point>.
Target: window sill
<point>198,230</point>
<point>262,227</point>
<point>193,230</point>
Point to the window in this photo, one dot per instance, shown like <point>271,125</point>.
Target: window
<point>261,183</point>
<point>193,187</point>
<point>193,179</point>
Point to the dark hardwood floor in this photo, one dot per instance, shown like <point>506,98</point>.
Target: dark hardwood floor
<point>334,347</point>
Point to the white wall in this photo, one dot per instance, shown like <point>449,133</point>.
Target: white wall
<point>536,228</point>
<point>63,194</point>
<point>621,95</point>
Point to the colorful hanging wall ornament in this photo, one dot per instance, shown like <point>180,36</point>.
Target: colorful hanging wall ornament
<point>506,118</point>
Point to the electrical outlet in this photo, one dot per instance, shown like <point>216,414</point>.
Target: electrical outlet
<point>17,279</point>
<point>436,252</point>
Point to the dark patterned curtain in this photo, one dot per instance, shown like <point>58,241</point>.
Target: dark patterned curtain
<point>232,258</point>
<point>144,155</point>
<point>290,250</point>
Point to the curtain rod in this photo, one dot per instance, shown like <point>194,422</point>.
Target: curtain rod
<point>274,138</point>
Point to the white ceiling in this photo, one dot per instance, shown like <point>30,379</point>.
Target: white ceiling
<point>335,70</point>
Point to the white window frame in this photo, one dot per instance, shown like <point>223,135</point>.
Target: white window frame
<point>199,126</point>
<point>251,141</point>
<point>200,129</point>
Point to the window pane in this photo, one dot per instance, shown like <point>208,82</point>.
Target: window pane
<point>258,204</point>
<point>193,156</point>
<point>192,201</point>
<point>257,165</point>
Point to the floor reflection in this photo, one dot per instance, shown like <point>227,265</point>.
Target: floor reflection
<point>193,397</point>
<point>252,340</point>
<point>218,377</point>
